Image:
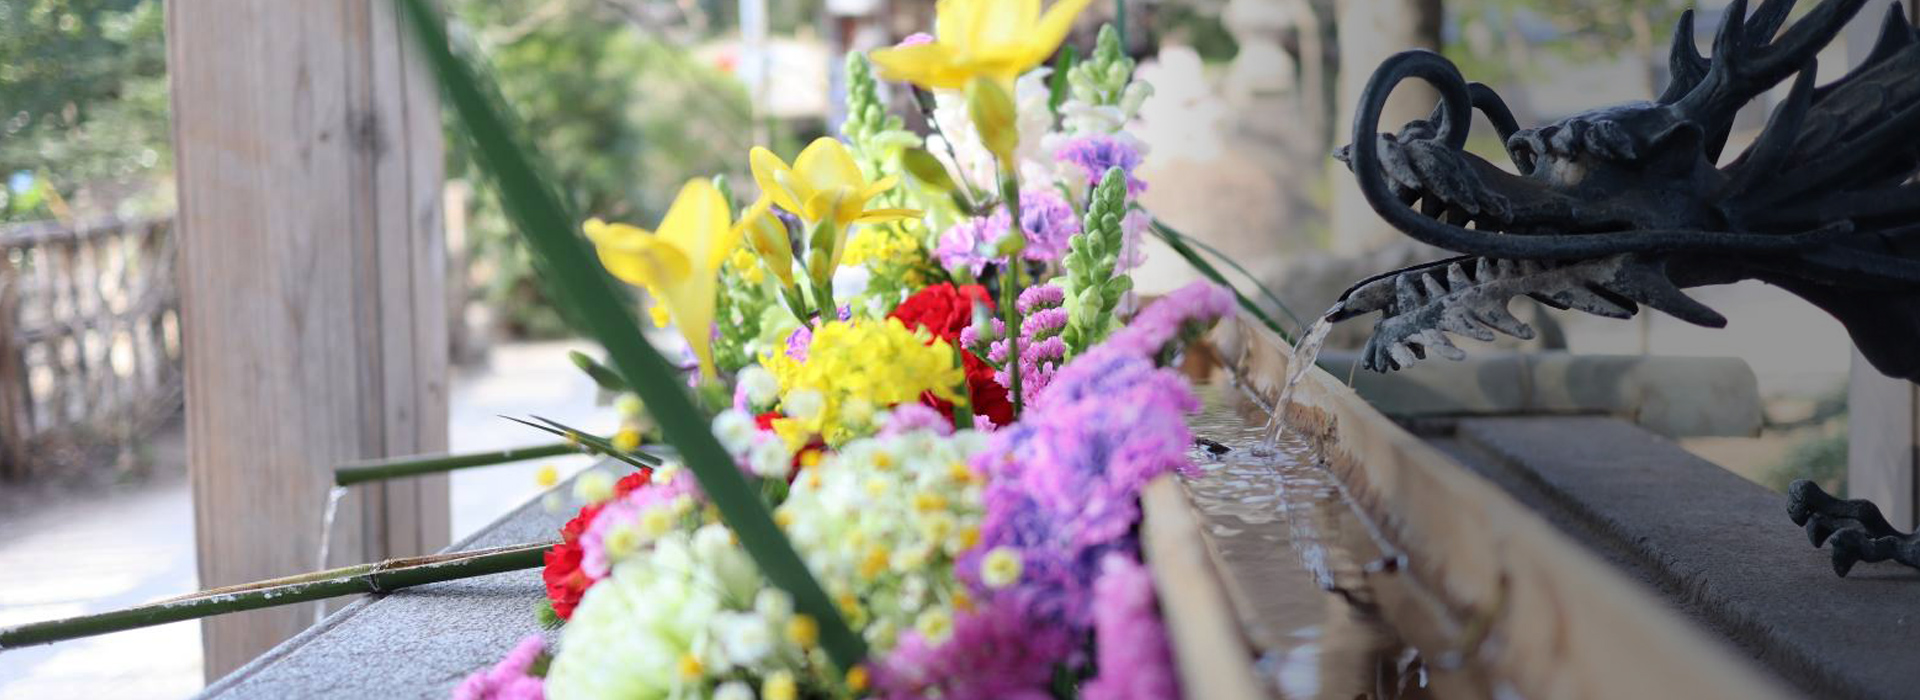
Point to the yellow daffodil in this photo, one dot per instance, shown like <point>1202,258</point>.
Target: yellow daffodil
<point>767,236</point>
<point>680,262</point>
<point>996,39</point>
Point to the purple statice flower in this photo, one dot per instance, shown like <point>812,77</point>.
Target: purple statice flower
<point>801,337</point>
<point>1098,153</point>
<point>1040,296</point>
<point>508,679</point>
<point>909,417</point>
<point>1063,485</point>
<point>1041,350</point>
<point>1132,654</point>
<point>993,652</point>
<point>797,343</point>
<point>1046,220</point>
<point>974,341</point>
<point>1133,229</point>
<point>1041,347</point>
<point>1196,304</point>
<point>961,246</point>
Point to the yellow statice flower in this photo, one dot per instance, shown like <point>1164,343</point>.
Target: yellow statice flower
<point>679,264</point>
<point>993,39</point>
<point>879,246</point>
<point>748,265</point>
<point>852,369</point>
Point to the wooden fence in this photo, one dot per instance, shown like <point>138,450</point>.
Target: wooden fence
<point>89,336</point>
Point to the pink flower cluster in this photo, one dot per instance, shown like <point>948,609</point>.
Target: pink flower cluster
<point>1041,347</point>
<point>1046,219</point>
<point>1133,656</point>
<point>595,561</point>
<point>1097,154</point>
<point>509,679</point>
<point>1063,492</point>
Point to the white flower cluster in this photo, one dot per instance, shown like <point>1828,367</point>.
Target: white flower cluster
<point>880,524</point>
<point>761,453</point>
<point>684,613</point>
<point>970,157</point>
<point>676,623</point>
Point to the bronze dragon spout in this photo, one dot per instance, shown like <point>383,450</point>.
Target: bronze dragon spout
<point>1628,205</point>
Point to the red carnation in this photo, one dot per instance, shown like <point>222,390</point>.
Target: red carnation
<point>942,309</point>
<point>566,583</point>
<point>945,310</point>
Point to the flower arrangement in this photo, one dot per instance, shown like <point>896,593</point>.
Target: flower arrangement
<point>931,386</point>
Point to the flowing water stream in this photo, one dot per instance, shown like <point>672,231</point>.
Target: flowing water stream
<point>326,541</point>
<point>1308,571</point>
<point>1305,353</point>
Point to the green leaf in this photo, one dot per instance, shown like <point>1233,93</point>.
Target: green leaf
<point>927,169</point>
<point>1057,86</point>
<point>580,283</point>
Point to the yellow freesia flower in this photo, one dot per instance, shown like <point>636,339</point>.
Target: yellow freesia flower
<point>996,39</point>
<point>680,263</point>
<point>767,236</point>
<point>824,183</point>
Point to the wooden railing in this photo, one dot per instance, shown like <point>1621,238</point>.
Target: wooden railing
<point>89,335</point>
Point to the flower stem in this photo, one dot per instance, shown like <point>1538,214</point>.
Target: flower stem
<point>382,469</point>
<point>1010,284</point>
<point>379,577</point>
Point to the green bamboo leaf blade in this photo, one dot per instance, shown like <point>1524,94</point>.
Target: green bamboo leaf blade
<point>364,578</point>
<point>593,443</point>
<point>395,468</point>
<point>1228,259</point>
<point>601,375</point>
<point>1207,270</point>
<point>549,231</point>
<point>1057,84</point>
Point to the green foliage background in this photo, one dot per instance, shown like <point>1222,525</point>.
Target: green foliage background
<point>83,100</point>
<point>624,114</point>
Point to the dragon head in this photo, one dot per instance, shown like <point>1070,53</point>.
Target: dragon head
<point>1623,206</point>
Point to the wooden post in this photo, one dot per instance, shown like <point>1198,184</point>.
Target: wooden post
<point>1883,416</point>
<point>309,159</point>
<point>16,419</point>
<point>1369,32</point>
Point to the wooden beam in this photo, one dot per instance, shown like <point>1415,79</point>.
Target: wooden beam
<point>1482,576</point>
<point>309,167</point>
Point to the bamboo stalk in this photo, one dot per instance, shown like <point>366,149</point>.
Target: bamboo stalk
<point>396,467</point>
<point>379,577</point>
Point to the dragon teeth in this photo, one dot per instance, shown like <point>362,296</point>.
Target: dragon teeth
<point>1457,277</point>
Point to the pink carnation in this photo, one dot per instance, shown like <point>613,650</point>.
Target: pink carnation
<point>1134,660</point>
<point>507,680</point>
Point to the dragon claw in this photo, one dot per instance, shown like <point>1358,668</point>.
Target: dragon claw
<point>1854,529</point>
